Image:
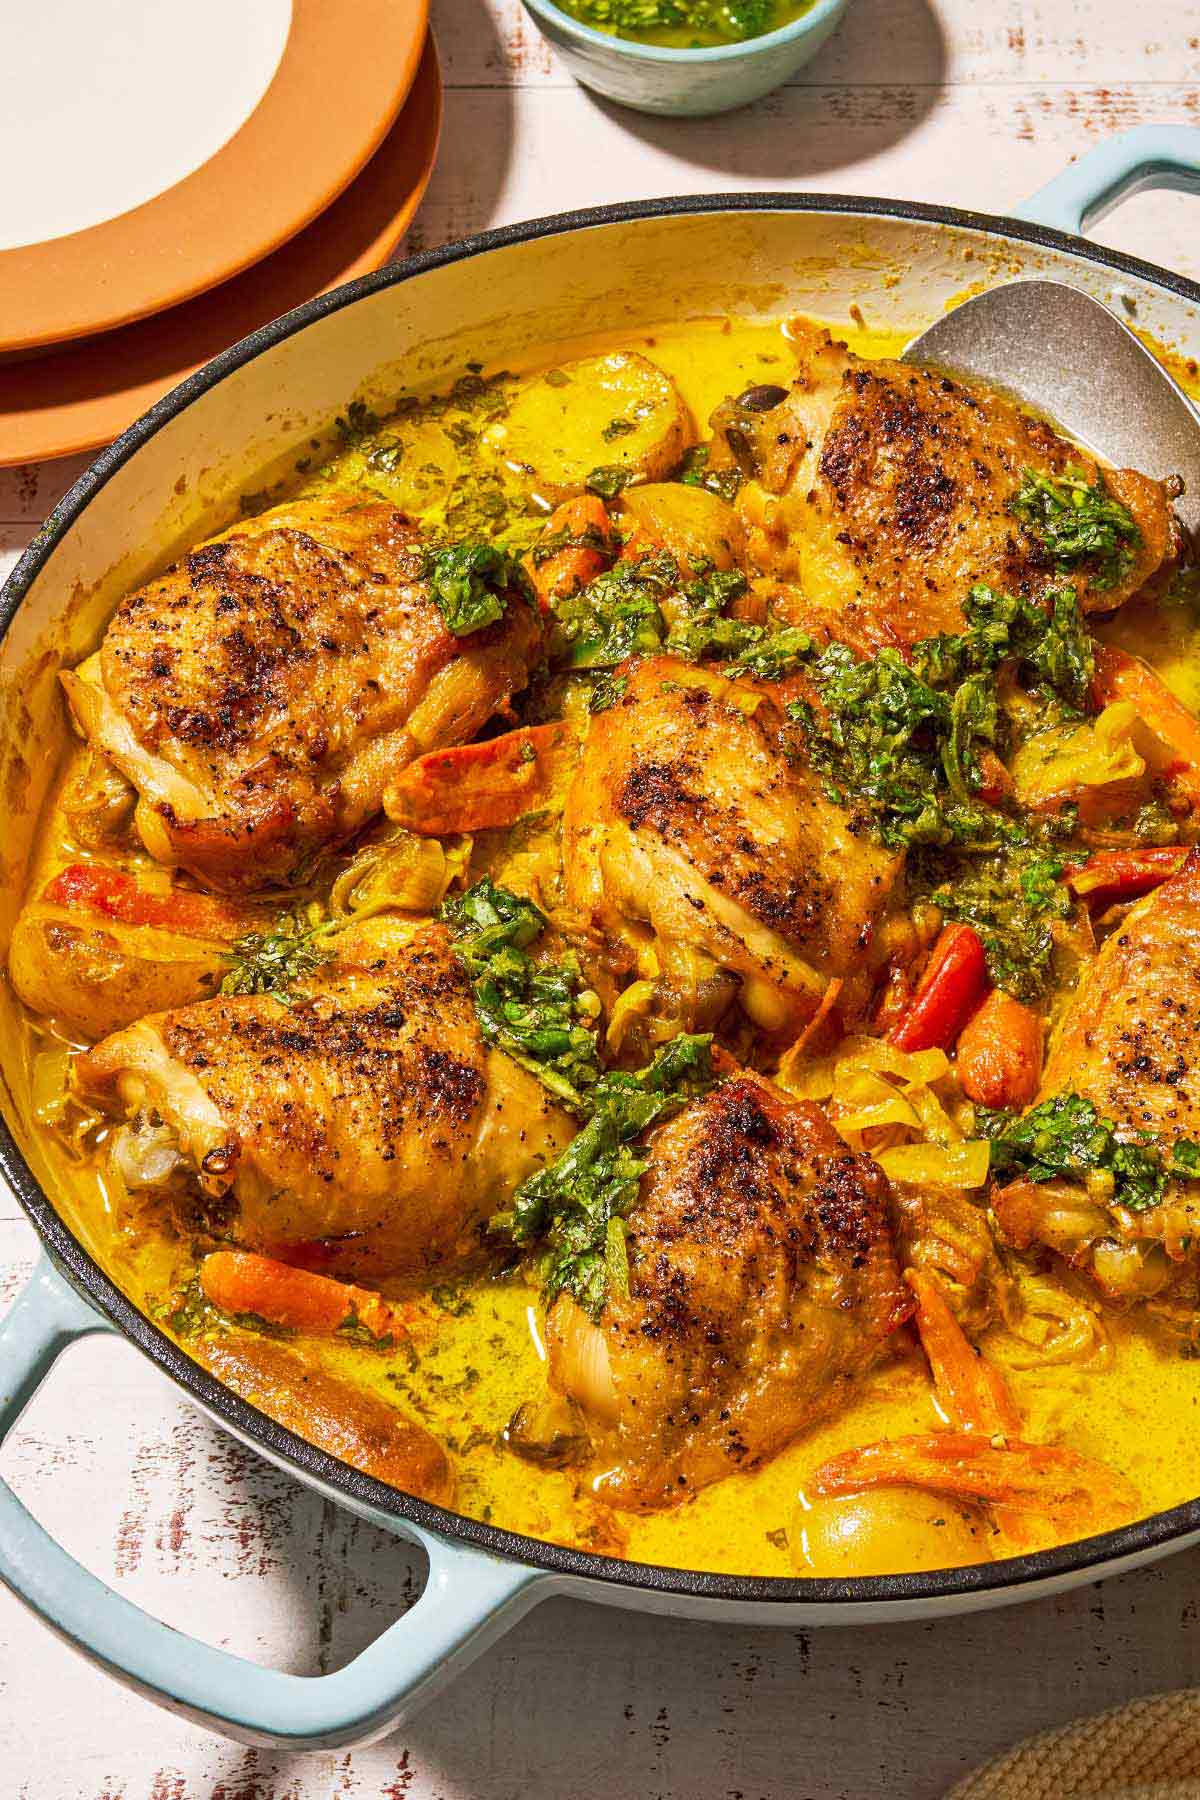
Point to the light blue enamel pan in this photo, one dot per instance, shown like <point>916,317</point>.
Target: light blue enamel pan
<point>492,294</point>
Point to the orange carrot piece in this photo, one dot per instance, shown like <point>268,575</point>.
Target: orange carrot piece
<point>999,1054</point>
<point>1120,676</point>
<point>1072,1491</point>
<point>116,895</point>
<point>973,1393</point>
<point>586,535</point>
<point>975,1397</point>
<point>240,1281</point>
<point>475,787</point>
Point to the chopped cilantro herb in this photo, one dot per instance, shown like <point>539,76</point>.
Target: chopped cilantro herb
<point>358,423</point>
<point>695,472</point>
<point>1066,1137</point>
<point>708,22</point>
<point>607,692</point>
<point>618,614</point>
<point>532,1011</point>
<point>609,480</point>
<point>553,543</point>
<point>274,962</point>
<point>470,584</point>
<point>1077,522</point>
<point>772,654</point>
<point>1012,899</point>
<point>902,740</point>
<point>621,613</point>
<point>575,1208</point>
<point>617,428</point>
<point>386,457</point>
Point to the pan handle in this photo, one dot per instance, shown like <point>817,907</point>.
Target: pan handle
<point>469,1598</point>
<point>1150,156</point>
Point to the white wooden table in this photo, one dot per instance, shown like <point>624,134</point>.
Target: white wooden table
<point>932,99</point>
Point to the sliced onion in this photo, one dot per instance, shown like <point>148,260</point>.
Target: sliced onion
<point>935,1165</point>
<point>49,1084</point>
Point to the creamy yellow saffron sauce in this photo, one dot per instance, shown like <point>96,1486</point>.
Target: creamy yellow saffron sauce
<point>478,1348</point>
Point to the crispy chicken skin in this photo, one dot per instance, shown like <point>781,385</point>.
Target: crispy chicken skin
<point>1129,1043</point>
<point>693,820</point>
<point>260,694</point>
<point>882,491</point>
<point>365,1126</point>
<point>763,1284</point>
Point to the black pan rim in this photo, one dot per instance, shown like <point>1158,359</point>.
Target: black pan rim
<point>798,1594</point>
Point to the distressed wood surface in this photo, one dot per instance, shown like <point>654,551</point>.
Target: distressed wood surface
<point>944,102</point>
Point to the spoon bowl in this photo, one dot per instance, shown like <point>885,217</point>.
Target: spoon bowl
<point>1057,349</point>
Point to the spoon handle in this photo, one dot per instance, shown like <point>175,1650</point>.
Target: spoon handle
<point>1152,156</point>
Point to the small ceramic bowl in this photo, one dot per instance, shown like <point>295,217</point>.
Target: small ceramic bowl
<point>686,83</point>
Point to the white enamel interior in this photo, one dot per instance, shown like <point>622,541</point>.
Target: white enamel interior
<point>110,103</point>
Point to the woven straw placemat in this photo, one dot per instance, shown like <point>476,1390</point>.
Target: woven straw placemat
<point>1147,1750</point>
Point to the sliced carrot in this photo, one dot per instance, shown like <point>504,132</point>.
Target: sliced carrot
<point>240,1281</point>
<point>999,1053</point>
<point>954,982</point>
<point>576,546</point>
<point>974,1397</point>
<point>973,1393</point>
<point>1111,875</point>
<point>91,887</point>
<point>475,787</point>
<point>360,1428</point>
<point>1119,676</point>
<point>1072,1491</point>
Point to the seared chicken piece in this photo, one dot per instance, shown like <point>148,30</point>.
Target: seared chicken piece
<point>1130,1043</point>
<point>763,1284</point>
<point>261,694</point>
<point>365,1126</point>
<point>883,491</point>
<point>693,821</point>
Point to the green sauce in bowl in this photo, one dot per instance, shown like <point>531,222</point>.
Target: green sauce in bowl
<point>686,24</point>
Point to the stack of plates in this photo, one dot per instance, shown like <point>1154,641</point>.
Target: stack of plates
<point>179,175</point>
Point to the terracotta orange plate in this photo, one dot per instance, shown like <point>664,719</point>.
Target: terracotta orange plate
<point>322,83</point>
<point>82,396</point>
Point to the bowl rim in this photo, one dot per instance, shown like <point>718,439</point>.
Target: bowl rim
<point>676,57</point>
<point>1136,1542</point>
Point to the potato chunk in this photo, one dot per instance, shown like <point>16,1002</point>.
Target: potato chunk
<point>615,416</point>
<point>695,527</point>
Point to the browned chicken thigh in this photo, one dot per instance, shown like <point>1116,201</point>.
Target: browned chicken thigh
<point>883,491</point>
<point>763,1283</point>
<point>260,695</point>
<point>364,1125</point>
<point>693,821</point>
<point>1130,1044</point>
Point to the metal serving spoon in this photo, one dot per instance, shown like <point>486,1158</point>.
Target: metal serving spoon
<point>1064,353</point>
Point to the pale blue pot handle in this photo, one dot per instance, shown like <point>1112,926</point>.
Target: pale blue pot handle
<point>1151,156</point>
<point>469,1599</point>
